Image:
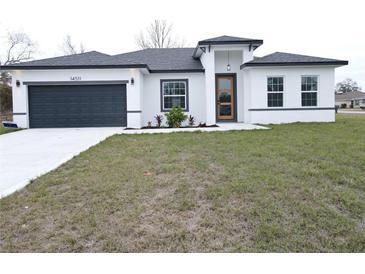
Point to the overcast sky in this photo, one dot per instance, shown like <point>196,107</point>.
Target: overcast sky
<point>333,29</point>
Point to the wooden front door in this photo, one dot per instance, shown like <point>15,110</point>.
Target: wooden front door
<point>225,97</point>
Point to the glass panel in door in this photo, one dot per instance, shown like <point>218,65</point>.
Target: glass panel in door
<point>225,98</point>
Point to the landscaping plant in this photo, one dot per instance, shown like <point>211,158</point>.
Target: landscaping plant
<point>175,117</point>
<point>159,119</point>
<point>191,120</point>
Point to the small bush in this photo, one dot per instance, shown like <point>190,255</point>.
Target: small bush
<point>175,117</point>
<point>343,105</point>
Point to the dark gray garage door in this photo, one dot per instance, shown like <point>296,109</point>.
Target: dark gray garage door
<point>77,106</point>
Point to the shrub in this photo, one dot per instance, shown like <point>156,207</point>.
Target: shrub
<point>175,117</point>
<point>5,98</point>
<point>159,119</point>
<point>344,105</point>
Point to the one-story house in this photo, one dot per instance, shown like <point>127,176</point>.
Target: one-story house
<point>219,80</point>
<point>352,99</point>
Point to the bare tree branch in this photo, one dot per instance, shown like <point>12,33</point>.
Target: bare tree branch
<point>69,48</point>
<point>19,48</point>
<point>347,85</point>
<point>158,35</point>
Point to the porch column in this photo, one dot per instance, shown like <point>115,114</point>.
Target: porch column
<point>209,65</point>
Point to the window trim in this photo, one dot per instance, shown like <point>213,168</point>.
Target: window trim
<point>309,91</point>
<point>275,92</point>
<point>186,109</point>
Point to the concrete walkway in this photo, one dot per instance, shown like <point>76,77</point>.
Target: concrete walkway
<point>27,154</point>
<point>352,111</point>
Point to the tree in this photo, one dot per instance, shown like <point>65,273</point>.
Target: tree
<point>68,47</point>
<point>5,98</point>
<point>18,48</point>
<point>347,85</point>
<point>159,34</point>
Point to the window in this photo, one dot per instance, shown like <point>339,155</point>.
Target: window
<point>309,91</point>
<point>174,93</point>
<point>275,88</point>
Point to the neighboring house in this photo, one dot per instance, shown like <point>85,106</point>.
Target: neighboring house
<point>217,81</point>
<point>353,99</point>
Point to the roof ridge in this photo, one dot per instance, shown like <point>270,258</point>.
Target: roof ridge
<point>141,50</point>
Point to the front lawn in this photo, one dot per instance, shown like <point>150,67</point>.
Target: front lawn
<point>298,187</point>
<point>4,130</point>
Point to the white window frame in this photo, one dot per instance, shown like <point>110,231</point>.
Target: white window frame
<point>309,91</point>
<point>276,92</point>
<point>165,81</point>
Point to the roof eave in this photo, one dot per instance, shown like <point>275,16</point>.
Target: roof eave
<point>253,41</point>
<point>256,43</point>
<point>176,70</point>
<point>16,67</point>
<point>285,64</point>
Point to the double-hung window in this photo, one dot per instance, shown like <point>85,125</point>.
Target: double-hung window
<point>174,93</point>
<point>309,91</point>
<point>275,89</point>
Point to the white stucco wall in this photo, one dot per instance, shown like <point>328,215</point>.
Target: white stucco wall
<point>257,88</point>
<point>143,98</point>
<point>20,94</point>
<point>151,95</point>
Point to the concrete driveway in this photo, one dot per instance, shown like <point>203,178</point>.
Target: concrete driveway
<point>27,154</point>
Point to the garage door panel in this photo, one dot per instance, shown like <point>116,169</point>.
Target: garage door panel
<point>77,106</point>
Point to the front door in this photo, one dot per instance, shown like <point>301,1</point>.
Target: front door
<point>225,97</point>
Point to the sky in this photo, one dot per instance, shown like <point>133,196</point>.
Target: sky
<point>333,29</point>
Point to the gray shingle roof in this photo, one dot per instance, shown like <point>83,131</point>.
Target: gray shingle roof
<point>290,59</point>
<point>82,59</point>
<point>225,39</point>
<point>350,96</point>
<point>162,60</point>
<point>165,59</point>
<point>155,60</point>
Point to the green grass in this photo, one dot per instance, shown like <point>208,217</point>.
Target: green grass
<point>295,188</point>
<point>4,130</point>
